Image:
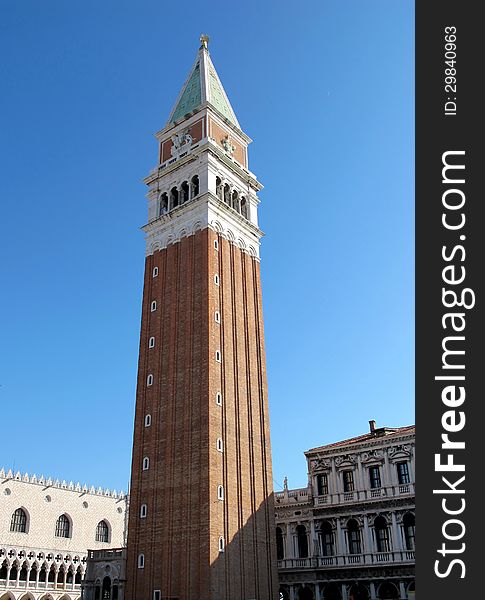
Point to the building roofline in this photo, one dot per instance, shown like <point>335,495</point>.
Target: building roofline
<point>381,433</point>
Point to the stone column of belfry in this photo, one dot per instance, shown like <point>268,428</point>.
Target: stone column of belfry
<point>201,522</point>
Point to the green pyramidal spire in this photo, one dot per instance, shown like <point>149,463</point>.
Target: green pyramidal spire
<point>202,87</point>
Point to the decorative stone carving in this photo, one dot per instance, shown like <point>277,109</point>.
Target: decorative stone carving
<point>400,450</point>
<point>373,456</point>
<point>320,464</point>
<point>345,459</point>
<point>181,142</point>
<point>227,145</point>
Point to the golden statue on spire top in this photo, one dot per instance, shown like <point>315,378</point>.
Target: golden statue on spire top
<point>204,41</point>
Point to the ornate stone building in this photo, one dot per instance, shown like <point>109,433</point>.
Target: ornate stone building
<point>350,534</point>
<point>201,519</point>
<point>46,528</point>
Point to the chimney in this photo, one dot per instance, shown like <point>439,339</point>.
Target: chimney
<point>372,426</point>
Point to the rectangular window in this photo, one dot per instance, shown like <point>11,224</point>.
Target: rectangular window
<point>382,539</point>
<point>375,477</point>
<point>322,484</point>
<point>348,478</point>
<point>354,542</point>
<point>403,473</point>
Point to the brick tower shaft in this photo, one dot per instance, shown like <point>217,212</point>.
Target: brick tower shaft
<point>201,523</point>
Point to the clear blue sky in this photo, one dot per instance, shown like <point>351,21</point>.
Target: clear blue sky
<point>326,90</point>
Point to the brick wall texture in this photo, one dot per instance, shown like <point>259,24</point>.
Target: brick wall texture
<point>181,534</point>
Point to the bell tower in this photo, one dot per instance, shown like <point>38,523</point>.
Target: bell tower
<point>201,522</point>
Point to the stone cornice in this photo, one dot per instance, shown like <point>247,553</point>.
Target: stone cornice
<point>377,442</point>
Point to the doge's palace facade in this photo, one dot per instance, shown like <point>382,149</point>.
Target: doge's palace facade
<point>46,528</point>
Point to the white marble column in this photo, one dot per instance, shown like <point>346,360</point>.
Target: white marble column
<point>345,596</point>
<point>340,538</point>
<point>387,471</point>
<point>314,541</point>
<point>397,545</point>
<point>289,542</point>
<point>333,484</point>
<point>402,590</point>
<point>292,593</point>
<point>317,592</point>
<point>367,536</point>
<point>372,591</point>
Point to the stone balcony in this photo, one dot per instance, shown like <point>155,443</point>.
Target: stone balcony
<point>348,560</point>
<point>302,495</point>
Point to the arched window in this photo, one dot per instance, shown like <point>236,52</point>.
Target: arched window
<point>388,591</point>
<point>244,208</point>
<point>220,445</point>
<point>326,537</point>
<point>305,593</point>
<point>63,527</point>
<point>280,546</point>
<point>235,201</point>
<point>163,205</point>
<point>219,399</point>
<point>143,511</point>
<point>220,492</point>
<point>106,590</point>
<point>148,420</point>
<point>102,532</point>
<point>23,572</point>
<point>19,521</point>
<point>219,188</point>
<point>227,194</point>
<point>151,342</point>
<point>174,197</point>
<point>184,192</point>
<point>302,541</point>
<point>141,561</point>
<point>409,526</point>
<point>70,575</point>
<point>43,573</point>
<point>60,574</point>
<point>14,571</point>
<point>358,592</point>
<point>52,575</point>
<point>4,569</point>
<point>332,592</point>
<point>78,577</point>
<point>33,572</point>
<point>146,463</point>
<point>221,544</point>
<point>353,535</point>
<point>382,534</point>
<point>195,186</point>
